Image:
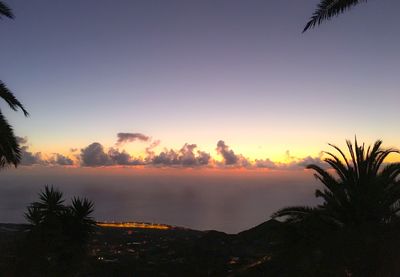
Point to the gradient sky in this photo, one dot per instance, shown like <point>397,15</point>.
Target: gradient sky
<point>237,73</point>
<point>200,71</point>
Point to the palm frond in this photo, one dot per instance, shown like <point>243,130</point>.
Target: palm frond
<point>341,153</point>
<point>11,100</point>
<point>5,11</point>
<point>10,152</point>
<point>327,9</point>
<point>34,215</point>
<point>82,207</point>
<point>51,201</point>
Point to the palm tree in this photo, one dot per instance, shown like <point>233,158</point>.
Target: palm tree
<point>362,192</point>
<point>359,216</point>
<point>327,9</point>
<point>59,234</point>
<point>48,208</point>
<point>82,223</point>
<point>81,209</point>
<point>10,152</point>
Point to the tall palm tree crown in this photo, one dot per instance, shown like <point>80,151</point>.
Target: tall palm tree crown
<point>362,190</point>
<point>327,9</point>
<point>10,152</point>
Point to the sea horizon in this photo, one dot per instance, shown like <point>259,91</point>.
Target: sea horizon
<point>224,200</point>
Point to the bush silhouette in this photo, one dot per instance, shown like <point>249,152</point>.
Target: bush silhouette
<point>58,235</point>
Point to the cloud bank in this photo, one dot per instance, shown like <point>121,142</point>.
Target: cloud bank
<point>188,156</point>
<point>29,158</point>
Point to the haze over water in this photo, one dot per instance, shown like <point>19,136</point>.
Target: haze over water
<point>224,201</point>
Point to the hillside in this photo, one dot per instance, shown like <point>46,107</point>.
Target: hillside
<point>123,251</point>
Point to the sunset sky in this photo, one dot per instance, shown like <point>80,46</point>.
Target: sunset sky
<point>236,78</point>
<point>201,71</point>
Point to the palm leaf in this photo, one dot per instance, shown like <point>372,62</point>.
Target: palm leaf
<point>5,11</point>
<point>11,100</point>
<point>327,9</point>
<point>10,152</point>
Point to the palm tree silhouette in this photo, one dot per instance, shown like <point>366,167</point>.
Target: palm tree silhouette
<point>50,208</point>
<point>10,152</point>
<point>82,223</point>
<point>82,208</point>
<point>362,192</point>
<point>327,9</point>
<point>59,233</point>
<point>47,209</point>
<point>358,218</point>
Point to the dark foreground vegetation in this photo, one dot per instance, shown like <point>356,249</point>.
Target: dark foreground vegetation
<point>55,243</point>
<point>148,252</point>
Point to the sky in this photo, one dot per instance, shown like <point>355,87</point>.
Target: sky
<point>202,71</point>
<point>198,84</point>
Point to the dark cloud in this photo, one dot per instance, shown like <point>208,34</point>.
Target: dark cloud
<point>59,159</point>
<point>31,158</point>
<point>312,160</point>
<point>229,156</point>
<point>73,150</point>
<point>166,158</point>
<point>122,158</point>
<point>94,155</point>
<point>149,149</point>
<point>186,157</point>
<point>203,158</point>
<point>130,137</point>
<point>22,140</point>
<point>28,157</point>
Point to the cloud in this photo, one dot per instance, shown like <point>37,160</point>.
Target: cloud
<point>130,137</point>
<point>122,158</point>
<point>185,157</point>
<point>59,159</point>
<point>188,156</point>
<point>229,156</point>
<point>27,157</point>
<point>267,163</point>
<point>203,158</point>
<point>94,155</point>
<point>304,162</point>
<point>149,149</point>
<point>22,140</point>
